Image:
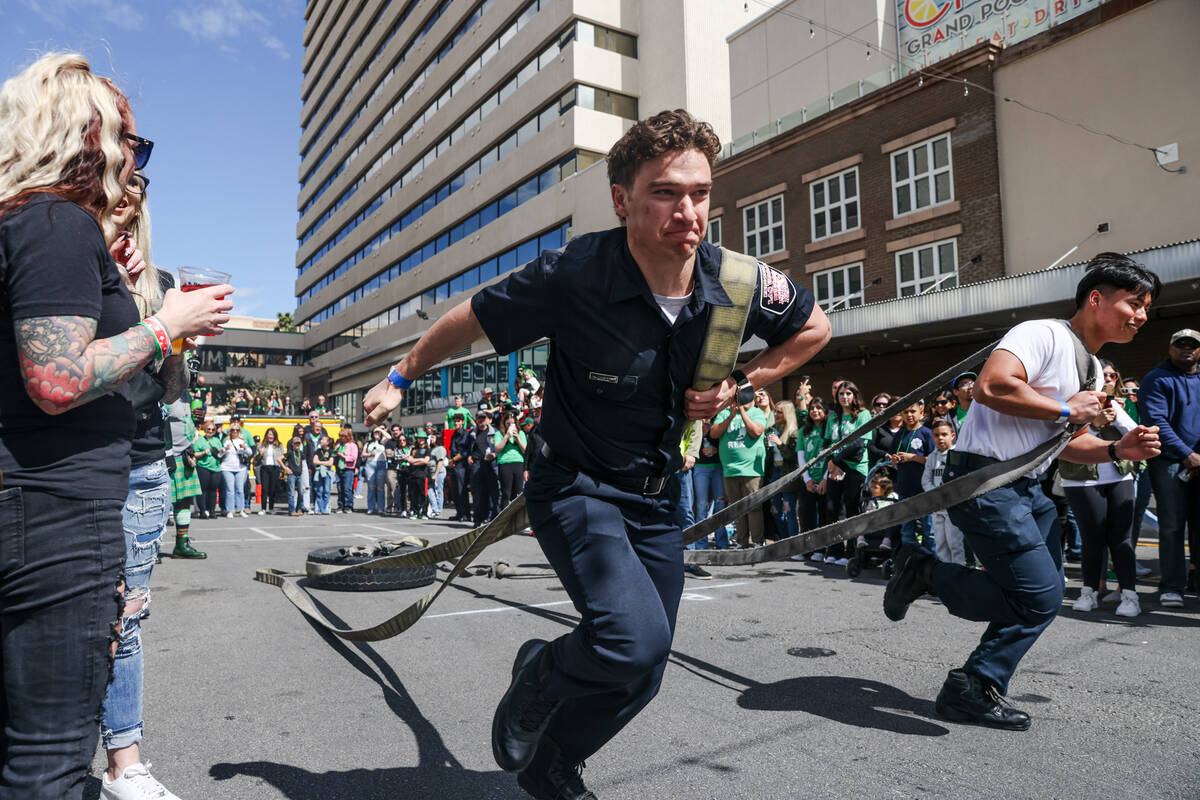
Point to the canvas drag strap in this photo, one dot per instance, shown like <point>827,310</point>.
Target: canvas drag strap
<point>726,325</point>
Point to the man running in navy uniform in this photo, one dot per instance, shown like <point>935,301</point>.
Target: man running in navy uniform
<point>1028,391</point>
<point>626,311</point>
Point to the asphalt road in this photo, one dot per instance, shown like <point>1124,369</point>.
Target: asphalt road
<point>786,681</point>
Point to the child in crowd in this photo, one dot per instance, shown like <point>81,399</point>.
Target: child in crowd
<point>882,496</point>
<point>913,445</point>
<point>947,539</point>
<point>323,473</point>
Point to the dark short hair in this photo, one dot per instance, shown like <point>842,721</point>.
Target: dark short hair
<point>882,481</point>
<point>665,132</point>
<point>941,423</point>
<point>1116,271</point>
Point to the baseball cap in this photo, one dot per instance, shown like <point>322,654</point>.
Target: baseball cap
<point>197,404</point>
<point>420,433</point>
<point>964,376</point>
<point>1186,333</point>
<point>528,420</point>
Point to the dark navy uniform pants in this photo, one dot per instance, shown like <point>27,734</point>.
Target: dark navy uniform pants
<point>1014,533</point>
<point>619,556</point>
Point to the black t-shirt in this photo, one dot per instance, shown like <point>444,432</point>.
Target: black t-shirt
<point>54,263</point>
<point>419,470</point>
<point>150,434</point>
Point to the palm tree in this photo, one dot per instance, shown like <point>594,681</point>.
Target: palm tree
<point>285,322</point>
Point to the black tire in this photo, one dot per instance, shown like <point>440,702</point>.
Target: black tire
<point>853,569</point>
<point>375,580</point>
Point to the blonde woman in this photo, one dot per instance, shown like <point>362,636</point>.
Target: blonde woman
<point>70,340</point>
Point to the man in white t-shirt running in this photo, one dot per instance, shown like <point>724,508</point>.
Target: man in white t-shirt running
<point>1028,390</point>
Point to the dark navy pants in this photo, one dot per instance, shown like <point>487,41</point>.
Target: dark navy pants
<point>1014,533</point>
<point>619,556</point>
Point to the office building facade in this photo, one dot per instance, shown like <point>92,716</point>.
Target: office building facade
<point>446,142</point>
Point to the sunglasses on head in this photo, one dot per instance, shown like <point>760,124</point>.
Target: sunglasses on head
<point>141,150</point>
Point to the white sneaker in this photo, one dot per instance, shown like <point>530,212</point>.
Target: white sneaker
<point>1141,569</point>
<point>1130,607</point>
<point>841,562</point>
<point>1112,597</point>
<point>799,557</point>
<point>1171,600</point>
<point>1087,600</point>
<point>261,512</point>
<point>135,783</point>
<point>817,557</point>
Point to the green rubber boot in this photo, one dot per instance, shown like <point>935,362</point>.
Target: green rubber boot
<point>183,548</point>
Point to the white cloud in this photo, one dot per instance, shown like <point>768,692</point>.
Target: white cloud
<point>116,12</point>
<point>223,22</point>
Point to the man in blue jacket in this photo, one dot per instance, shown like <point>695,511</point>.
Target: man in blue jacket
<point>1170,399</point>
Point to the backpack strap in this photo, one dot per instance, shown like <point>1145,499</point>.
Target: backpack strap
<point>1085,362</point>
<point>727,324</point>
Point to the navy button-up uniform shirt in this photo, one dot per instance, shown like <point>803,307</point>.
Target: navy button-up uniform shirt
<point>618,367</point>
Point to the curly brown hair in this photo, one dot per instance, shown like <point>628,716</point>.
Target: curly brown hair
<point>665,132</point>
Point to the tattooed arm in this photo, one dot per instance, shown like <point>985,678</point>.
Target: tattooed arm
<point>64,366</point>
<point>175,376</point>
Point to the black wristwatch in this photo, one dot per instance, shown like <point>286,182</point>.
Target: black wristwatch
<point>1112,453</point>
<point>745,389</point>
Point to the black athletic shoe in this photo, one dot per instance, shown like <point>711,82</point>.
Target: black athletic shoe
<point>968,698</point>
<point>908,582</point>
<point>697,571</point>
<point>523,713</point>
<point>550,777</point>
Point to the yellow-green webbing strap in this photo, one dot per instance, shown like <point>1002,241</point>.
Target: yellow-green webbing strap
<point>718,356</point>
<point>726,324</point>
<point>466,548</point>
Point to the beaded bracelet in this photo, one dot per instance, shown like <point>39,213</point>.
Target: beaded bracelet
<point>161,339</point>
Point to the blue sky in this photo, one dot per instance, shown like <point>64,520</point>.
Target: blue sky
<point>216,85</point>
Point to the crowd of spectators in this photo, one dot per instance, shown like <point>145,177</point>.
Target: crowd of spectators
<point>478,458</point>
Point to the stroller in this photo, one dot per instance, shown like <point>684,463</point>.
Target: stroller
<point>872,554</point>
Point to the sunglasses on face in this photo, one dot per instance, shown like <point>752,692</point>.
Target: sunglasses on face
<point>881,404</point>
<point>138,184</point>
<point>141,150</point>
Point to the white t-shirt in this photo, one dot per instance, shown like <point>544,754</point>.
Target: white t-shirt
<point>1106,471</point>
<point>1047,351</point>
<point>671,306</point>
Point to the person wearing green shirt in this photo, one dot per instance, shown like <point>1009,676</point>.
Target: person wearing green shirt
<point>208,469</point>
<point>962,386</point>
<point>743,451</point>
<point>846,471</point>
<point>459,411</point>
<point>510,444</point>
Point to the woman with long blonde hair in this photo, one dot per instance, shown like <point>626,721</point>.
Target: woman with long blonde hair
<point>70,340</point>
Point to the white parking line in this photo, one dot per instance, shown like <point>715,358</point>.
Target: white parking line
<point>496,610</point>
<point>264,533</point>
<point>208,541</point>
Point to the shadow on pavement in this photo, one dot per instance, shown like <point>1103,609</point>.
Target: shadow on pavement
<point>437,774</point>
<point>424,780</point>
<point>852,701</point>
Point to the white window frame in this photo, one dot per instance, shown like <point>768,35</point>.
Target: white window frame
<point>829,209</point>
<point>939,279</point>
<point>837,302</point>
<point>751,235</point>
<point>930,174</point>
<point>715,224</point>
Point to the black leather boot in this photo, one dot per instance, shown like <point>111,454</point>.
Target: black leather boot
<point>523,713</point>
<point>968,698</point>
<point>911,579</point>
<point>550,777</point>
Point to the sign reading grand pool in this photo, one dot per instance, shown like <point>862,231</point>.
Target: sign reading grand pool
<point>931,30</point>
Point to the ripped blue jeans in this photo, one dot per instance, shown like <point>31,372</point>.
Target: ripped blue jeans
<point>144,518</point>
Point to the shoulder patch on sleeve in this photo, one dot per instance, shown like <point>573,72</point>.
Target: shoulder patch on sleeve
<point>776,290</point>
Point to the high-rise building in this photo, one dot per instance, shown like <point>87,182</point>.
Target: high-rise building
<point>446,142</point>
